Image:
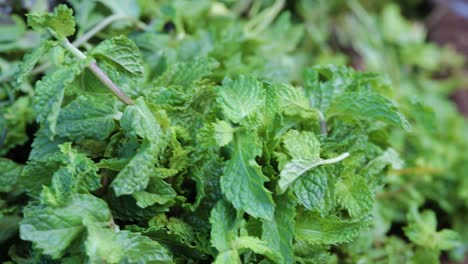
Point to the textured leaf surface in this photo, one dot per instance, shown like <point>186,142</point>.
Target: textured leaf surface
<point>241,97</point>
<point>369,106</point>
<point>53,229</point>
<point>87,117</point>
<point>304,149</point>
<point>61,22</point>
<point>30,60</point>
<point>135,176</point>
<point>242,180</point>
<point>9,173</point>
<point>158,191</point>
<point>310,188</point>
<point>279,232</point>
<point>224,226</point>
<point>313,229</point>
<point>49,95</point>
<point>123,53</point>
<point>354,194</point>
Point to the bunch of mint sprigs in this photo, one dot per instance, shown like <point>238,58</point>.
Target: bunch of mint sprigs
<point>219,145</point>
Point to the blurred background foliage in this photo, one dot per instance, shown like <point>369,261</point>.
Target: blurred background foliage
<point>405,40</point>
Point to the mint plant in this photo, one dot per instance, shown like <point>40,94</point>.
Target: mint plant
<point>185,141</point>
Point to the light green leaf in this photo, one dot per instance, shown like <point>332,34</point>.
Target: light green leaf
<point>241,97</point>
<point>136,174</point>
<point>369,106</point>
<point>139,119</point>
<point>354,194</point>
<point>258,246</point>
<point>228,257</point>
<point>60,23</point>
<point>313,229</point>
<point>310,188</point>
<point>105,246</point>
<point>242,180</point>
<point>304,149</point>
<point>42,146</point>
<point>224,226</point>
<point>121,52</point>
<point>223,132</point>
<point>87,117</point>
<point>54,229</point>
<point>186,73</point>
<point>79,175</point>
<point>49,96</point>
<point>101,245</point>
<point>158,191</point>
<point>142,249</point>
<point>422,230</point>
<point>292,101</point>
<point>30,60</point>
<point>279,232</point>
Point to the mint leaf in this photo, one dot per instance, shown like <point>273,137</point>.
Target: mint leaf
<point>87,117</point>
<point>9,173</point>
<point>123,54</point>
<point>54,229</point>
<point>354,194</point>
<point>240,98</point>
<point>304,149</point>
<point>311,187</point>
<point>279,232</point>
<point>313,229</point>
<point>370,106</point>
<point>422,230</point>
<point>242,180</point>
<point>61,23</point>
<point>49,95</point>
<point>30,60</point>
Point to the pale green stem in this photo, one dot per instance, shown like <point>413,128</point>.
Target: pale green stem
<point>100,74</point>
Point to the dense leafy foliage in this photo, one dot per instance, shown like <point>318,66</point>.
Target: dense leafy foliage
<point>236,135</point>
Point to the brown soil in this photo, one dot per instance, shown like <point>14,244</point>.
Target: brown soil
<point>448,27</point>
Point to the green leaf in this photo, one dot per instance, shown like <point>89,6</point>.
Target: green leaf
<point>49,95</point>
<point>241,97</point>
<point>354,194</point>
<point>224,133</point>
<point>105,246</point>
<point>61,23</point>
<point>279,232</point>
<point>158,191</point>
<point>9,173</point>
<point>122,53</point>
<point>187,73</point>
<point>224,226</point>
<point>313,229</point>
<point>304,149</point>
<point>258,246</point>
<point>368,106</point>
<point>30,60</point>
<point>87,117</point>
<point>139,119</point>
<point>310,188</point>
<point>292,101</point>
<point>422,230</point>
<point>242,180</point>
<point>79,175</point>
<point>54,229</point>
<point>136,174</point>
